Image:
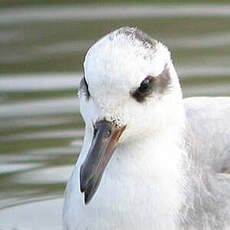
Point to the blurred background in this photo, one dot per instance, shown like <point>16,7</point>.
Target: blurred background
<point>42,48</point>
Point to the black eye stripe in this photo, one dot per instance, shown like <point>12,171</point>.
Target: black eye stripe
<point>152,85</point>
<point>84,87</point>
<point>145,89</point>
<point>146,85</point>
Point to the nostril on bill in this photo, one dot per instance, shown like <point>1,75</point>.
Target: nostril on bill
<point>108,133</point>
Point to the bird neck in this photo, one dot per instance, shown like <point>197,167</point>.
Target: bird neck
<point>153,168</point>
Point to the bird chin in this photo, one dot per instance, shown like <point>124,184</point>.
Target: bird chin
<point>104,143</point>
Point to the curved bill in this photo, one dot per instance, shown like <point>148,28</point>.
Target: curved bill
<point>105,140</point>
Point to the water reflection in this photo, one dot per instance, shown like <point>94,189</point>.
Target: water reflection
<point>41,130</point>
<point>39,82</point>
<point>28,216</point>
<point>47,14</point>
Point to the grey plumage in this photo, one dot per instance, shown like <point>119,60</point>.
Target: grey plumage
<point>207,203</point>
<point>209,119</point>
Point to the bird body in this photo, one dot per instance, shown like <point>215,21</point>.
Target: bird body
<point>139,166</point>
<point>210,123</point>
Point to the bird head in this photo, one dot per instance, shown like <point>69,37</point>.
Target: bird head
<point>129,90</point>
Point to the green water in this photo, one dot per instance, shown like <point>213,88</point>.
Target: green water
<point>41,130</point>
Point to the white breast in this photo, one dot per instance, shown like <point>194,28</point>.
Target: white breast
<point>138,191</point>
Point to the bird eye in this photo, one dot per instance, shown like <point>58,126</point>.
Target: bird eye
<point>84,87</point>
<point>145,89</point>
<point>145,84</point>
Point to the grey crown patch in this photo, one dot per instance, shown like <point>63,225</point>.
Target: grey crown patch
<point>135,34</point>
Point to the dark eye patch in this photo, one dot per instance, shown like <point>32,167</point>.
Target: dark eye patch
<point>145,89</point>
<point>150,85</point>
<point>146,85</point>
<point>84,87</point>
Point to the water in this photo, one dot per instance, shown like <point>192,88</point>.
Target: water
<point>42,51</point>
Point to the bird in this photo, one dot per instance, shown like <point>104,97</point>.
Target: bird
<point>150,159</point>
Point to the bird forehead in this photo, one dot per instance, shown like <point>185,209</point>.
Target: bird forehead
<point>124,58</point>
<point>123,65</point>
<point>112,71</point>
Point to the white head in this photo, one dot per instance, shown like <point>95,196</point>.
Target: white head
<point>130,84</point>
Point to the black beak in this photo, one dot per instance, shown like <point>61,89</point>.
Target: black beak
<point>105,140</point>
